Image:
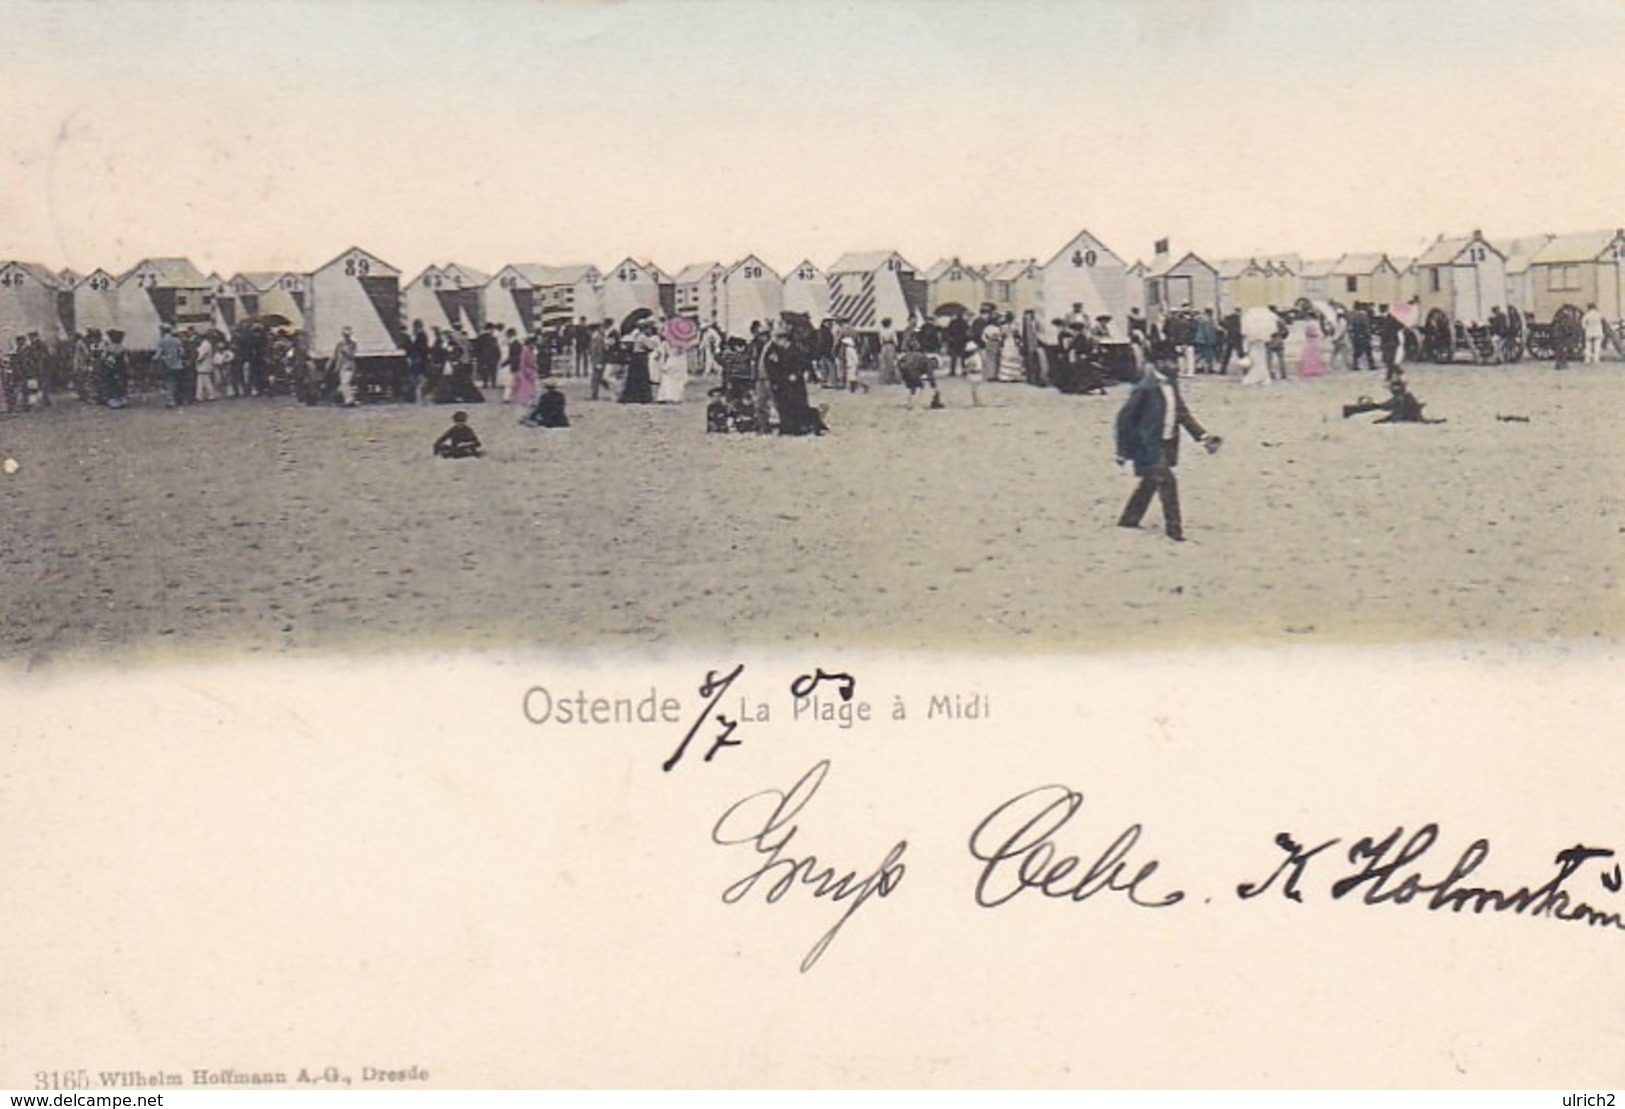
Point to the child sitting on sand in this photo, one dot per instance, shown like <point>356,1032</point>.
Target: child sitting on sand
<point>459,440</point>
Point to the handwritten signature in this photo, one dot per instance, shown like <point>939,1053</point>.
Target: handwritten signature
<point>1018,846</point>
<point>1388,872</point>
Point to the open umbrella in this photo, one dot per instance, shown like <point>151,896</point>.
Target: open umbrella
<point>681,332</point>
<point>952,308</point>
<point>635,317</point>
<point>1258,324</point>
<point>271,319</point>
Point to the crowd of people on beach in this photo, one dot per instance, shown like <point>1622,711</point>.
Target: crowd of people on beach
<point>651,359</point>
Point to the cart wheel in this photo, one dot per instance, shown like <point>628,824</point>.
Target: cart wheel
<point>1568,333</point>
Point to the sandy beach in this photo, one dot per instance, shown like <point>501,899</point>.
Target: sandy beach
<point>264,527</point>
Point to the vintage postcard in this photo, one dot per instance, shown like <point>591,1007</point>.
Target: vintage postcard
<point>692,543</point>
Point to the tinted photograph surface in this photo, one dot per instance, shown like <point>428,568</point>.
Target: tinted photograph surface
<point>1105,516</point>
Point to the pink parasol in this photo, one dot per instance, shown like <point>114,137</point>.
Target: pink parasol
<point>681,332</point>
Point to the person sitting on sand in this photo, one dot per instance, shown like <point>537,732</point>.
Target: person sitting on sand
<point>459,440</point>
<point>548,410</point>
<point>1401,407</point>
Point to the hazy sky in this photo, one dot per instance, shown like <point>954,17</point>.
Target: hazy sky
<point>255,135</point>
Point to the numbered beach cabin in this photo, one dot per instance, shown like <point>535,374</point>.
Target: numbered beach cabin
<point>751,292</point>
<point>697,292</point>
<point>464,285</point>
<point>266,296</point>
<point>869,286</point>
<point>162,291</point>
<point>427,297</point>
<point>629,287</point>
<point>1085,278</point>
<point>1016,286</point>
<point>1179,281</point>
<point>1581,269</point>
<point>360,291</point>
<point>953,287</point>
<point>508,300</point>
<point>239,298</point>
<point>28,302</point>
<point>1462,277</point>
<point>806,289</point>
<point>95,303</point>
<point>565,294</point>
<point>286,296</point>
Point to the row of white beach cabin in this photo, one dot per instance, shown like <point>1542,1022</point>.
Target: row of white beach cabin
<point>1464,277</point>
<point>361,291</point>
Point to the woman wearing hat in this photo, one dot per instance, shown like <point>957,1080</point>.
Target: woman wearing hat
<point>640,345</point>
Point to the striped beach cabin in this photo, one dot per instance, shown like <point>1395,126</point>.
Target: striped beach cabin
<point>464,286</point>
<point>240,298</point>
<point>428,298</point>
<point>264,294</point>
<point>162,291</point>
<point>286,296</point>
<point>806,289</point>
<point>697,292</point>
<point>508,300</point>
<point>562,294</point>
<point>360,291</point>
<point>869,286</point>
<point>751,292</point>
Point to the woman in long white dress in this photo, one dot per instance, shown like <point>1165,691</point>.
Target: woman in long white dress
<point>1257,326</point>
<point>672,361</point>
<point>1012,366</point>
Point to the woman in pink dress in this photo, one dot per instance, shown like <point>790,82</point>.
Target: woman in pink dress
<point>524,382</point>
<point>1313,363</point>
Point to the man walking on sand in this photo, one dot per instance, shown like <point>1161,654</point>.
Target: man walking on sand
<point>1148,437</point>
